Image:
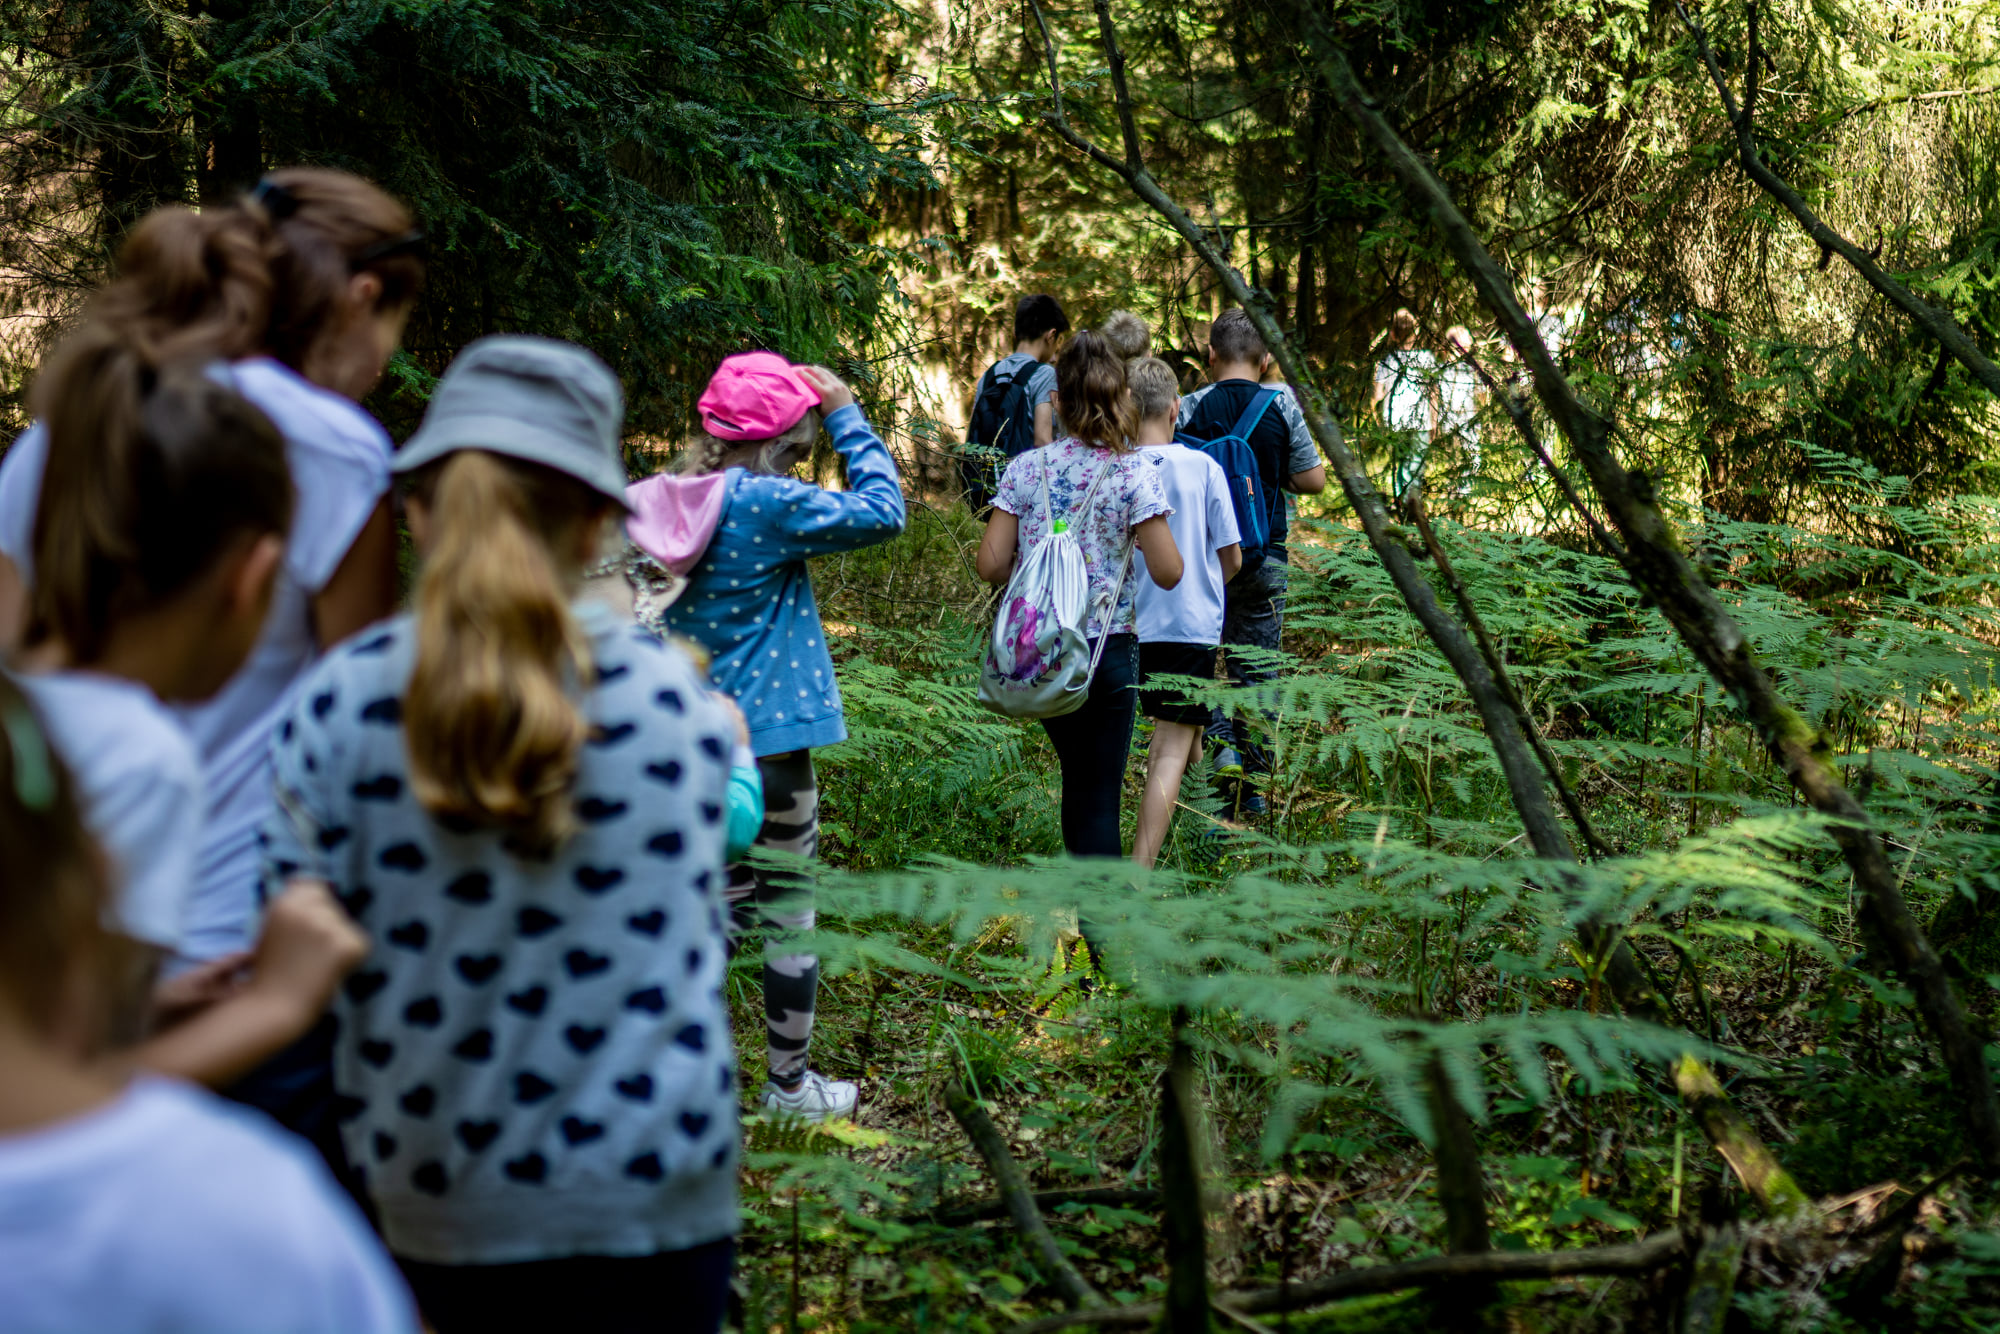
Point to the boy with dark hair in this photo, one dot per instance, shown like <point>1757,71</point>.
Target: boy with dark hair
<point>1011,411</point>
<point>1253,603</point>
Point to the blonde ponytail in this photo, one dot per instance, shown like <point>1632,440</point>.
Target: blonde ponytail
<point>492,718</point>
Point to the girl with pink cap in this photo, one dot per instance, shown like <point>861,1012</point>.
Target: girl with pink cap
<point>739,529</point>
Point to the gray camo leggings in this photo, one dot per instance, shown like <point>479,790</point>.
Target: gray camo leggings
<point>782,903</point>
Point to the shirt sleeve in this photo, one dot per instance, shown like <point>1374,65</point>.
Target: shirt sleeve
<point>818,522</point>
<point>151,822</point>
<point>1303,454</point>
<point>20,497</point>
<point>1189,402</point>
<point>1148,497</point>
<point>1041,385</point>
<point>746,806</point>
<point>1222,529</point>
<point>1018,494</point>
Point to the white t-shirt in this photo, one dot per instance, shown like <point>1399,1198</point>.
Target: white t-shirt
<point>1203,521</point>
<point>169,1212</point>
<point>139,780</point>
<point>339,458</point>
<point>1406,379</point>
<point>1458,400</point>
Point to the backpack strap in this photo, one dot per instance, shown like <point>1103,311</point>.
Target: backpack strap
<point>1253,415</point>
<point>1110,603</point>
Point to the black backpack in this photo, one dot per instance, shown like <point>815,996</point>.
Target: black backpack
<point>1003,427</point>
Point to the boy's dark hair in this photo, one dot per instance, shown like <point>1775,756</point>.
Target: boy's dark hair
<point>1234,338</point>
<point>1036,314</point>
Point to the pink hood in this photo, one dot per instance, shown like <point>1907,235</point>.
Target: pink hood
<point>674,517</point>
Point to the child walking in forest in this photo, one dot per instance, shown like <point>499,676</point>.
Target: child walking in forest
<point>1179,628</point>
<point>1127,506</point>
<point>138,1204</point>
<point>522,800</point>
<point>160,528</point>
<point>302,286</point>
<point>740,530</point>
<point>1253,611</point>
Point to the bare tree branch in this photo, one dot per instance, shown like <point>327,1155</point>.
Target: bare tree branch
<point>1438,1271</point>
<point>1921,312</point>
<point>1013,1184</point>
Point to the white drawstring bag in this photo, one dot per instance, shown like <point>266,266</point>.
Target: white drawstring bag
<point>1038,664</point>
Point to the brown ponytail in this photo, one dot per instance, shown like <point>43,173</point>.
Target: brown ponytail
<point>152,475</point>
<point>492,717</point>
<point>1090,377</point>
<point>261,274</point>
<point>54,885</point>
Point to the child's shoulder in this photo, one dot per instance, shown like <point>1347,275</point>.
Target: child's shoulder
<point>762,497</point>
<point>361,677</point>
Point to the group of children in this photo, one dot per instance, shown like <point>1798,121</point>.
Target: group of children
<point>1117,426</point>
<point>446,895</point>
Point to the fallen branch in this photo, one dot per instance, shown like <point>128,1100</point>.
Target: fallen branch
<point>1437,1271</point>
<point>981,1211</point>
<point>1660,569</point>
<point>1713,1281</point>
<point>1923,314</point>
<point>1013,1183</point>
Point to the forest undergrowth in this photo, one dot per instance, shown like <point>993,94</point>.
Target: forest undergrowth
<point>1388,914</point>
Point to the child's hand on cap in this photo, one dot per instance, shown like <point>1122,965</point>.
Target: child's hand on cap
<point>833,391</point>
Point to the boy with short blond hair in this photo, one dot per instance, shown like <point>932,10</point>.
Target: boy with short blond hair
<point>1179,628</point>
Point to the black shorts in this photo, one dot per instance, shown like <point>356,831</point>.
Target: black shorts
<point>1167,704</point>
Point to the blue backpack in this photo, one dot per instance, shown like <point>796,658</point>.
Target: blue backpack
<point>1239,465</point>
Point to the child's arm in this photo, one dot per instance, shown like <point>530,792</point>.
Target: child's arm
<point>307,946</point>
<point>746,804</point>
<point>1231,558</point>
<point>818,522</point>
<point>997,549</point>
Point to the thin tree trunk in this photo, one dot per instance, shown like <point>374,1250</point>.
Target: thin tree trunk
<point>1185,1231</point>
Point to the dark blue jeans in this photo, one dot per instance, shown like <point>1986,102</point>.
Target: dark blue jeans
<point>1091,745</point>
<point>1253,614</point>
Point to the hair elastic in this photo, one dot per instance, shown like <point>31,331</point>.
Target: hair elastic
<point>276,199</point>
<point>34,771</point>
<point>412,242</point>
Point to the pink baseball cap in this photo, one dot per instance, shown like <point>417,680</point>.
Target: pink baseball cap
<point>755,396</point>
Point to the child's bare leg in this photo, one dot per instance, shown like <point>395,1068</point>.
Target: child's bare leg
<point>1166,761</point>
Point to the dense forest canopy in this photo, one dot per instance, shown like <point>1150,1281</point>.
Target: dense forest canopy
<point>1391,1020</point>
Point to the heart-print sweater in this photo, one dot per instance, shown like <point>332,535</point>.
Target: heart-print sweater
<point>535,1060</point>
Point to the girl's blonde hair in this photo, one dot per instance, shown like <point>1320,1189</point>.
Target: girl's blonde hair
<point>1090,377</point>
<point>492,716</point>
<point>711,453</point>
<point>1128,335</point>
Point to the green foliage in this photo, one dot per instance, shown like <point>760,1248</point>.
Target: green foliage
<point>1389,911</point>
<point>663,182</point>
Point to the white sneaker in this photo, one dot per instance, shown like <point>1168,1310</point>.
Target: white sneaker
<point>817,1099</point>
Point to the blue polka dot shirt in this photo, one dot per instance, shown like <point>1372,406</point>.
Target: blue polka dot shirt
<point>749,599</point>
